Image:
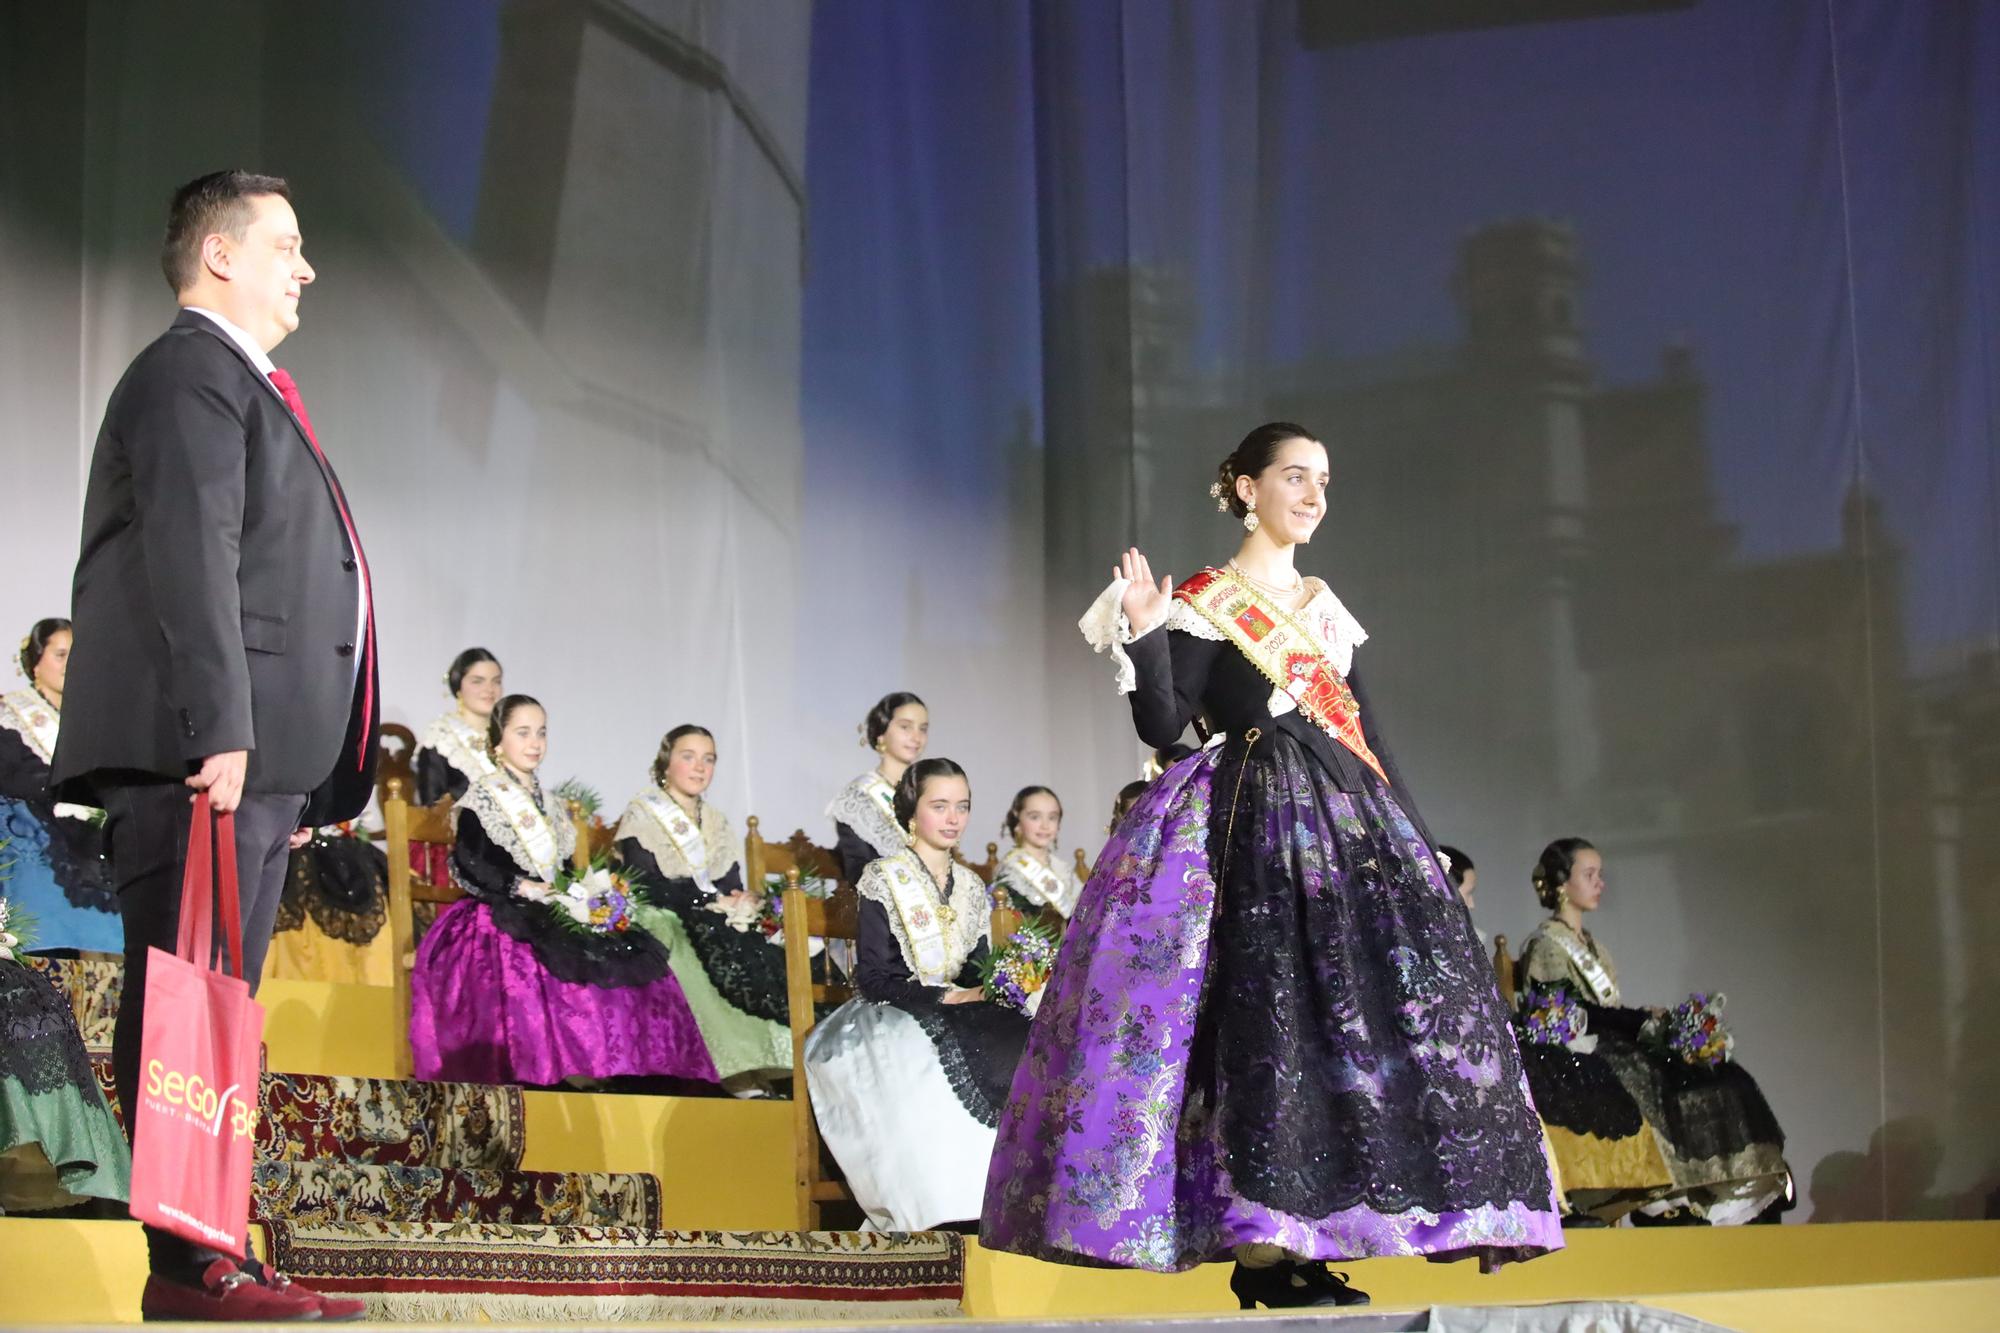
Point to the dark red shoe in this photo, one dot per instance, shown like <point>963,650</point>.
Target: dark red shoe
<point>332,1309</point>
<point>227,1295</point>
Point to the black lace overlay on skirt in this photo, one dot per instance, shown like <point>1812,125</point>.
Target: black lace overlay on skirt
<point>1353,1048</point>
<point>1703,1113</point>
<point>40,1047</point>
<point>586,958</point>
<point>79,860</point>
<point>1579,1091</point>
<point>342,884</point>
<point>748,970</point>
<point>978,1045</point>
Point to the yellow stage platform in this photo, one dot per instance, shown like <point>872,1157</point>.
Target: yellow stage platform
<point>1879,1277</point>
<point>726,1164</point>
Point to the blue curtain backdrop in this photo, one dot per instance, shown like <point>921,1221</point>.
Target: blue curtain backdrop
<point>1655,353</point>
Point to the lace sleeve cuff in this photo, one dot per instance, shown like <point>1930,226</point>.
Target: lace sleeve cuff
<point>1106,630</point>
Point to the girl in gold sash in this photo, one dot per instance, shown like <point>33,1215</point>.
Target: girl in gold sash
<point>519,982</point>
<point>907,1078</point>
<point>451,754</point>
<point>1032,876</point>
<point>863,812</point>
<point>59,873</point>
<point>687,878</point>
<point>1723,1148</point>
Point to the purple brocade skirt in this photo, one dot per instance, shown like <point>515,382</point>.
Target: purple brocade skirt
<point>1320,1060</point>
<point>483,1009</point>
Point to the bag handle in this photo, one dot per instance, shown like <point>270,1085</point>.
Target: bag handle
<point>211,865</point>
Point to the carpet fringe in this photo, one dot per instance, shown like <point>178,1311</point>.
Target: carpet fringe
<point>466,1307</point>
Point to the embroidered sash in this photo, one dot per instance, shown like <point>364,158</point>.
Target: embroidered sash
<point>868,806</point>
<point>530,824</point>
<point>1286,653</point>
<point>936,936</point>
<point>462,745</point>
<point>27,714</point>
<point>682,831</point>
<point>1039,883</point>
<point>1603,989</point>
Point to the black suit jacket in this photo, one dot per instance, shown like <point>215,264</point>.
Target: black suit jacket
<point>215,594</point>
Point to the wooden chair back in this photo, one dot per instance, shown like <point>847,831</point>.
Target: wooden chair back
<point>762,859</point>
<point>423,827</point>
<point>1503,968</point>
<point>397,755</point>
<point>986,869</point>
<point>807,919</point>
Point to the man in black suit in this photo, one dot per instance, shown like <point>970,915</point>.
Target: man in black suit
<point>225,636</point>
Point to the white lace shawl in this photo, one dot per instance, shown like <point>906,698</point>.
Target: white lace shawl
<point>482,801</point>
<point>1020,872</point>
<point>462,745</point>
<point>854,807</point>
<point>640,824</point>
<point>1106,629</point>
<point>968,900</point>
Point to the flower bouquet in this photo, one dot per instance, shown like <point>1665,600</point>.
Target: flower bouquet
<point>1552,1015</point>
<point>1692,1030</point>
<point>17,932</point>
<point>595,901</point>
<point>1015,973</point>
<point>763,912</point>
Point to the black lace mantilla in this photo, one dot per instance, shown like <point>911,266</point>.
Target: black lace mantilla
<point>75,848</point>
<point>1347,999</point>
<point>585,958</point>
<point>342,883</point>
<point>978,1046</point>
<point>1579,1091</point>
<point>746,969</point>
<point>39,1045</point>
<point>1703,1112</point>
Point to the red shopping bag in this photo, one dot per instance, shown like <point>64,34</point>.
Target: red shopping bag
<point>198,1063</point>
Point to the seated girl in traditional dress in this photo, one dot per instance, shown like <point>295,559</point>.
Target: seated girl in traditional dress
<point>451,754</point>
<point>863,814</point>
<point>59,1144</point>
<point>509,986</point>
<point>1032,876</point>
<point>909,1076</point>
<point>1723,1149</point>
<point>688,881</point>
<point>60,873</point>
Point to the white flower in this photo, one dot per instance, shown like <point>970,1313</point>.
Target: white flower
<point>740,910</point>
<point>578,909</point>
<point>594,884</point>
<point>1035,1000</point>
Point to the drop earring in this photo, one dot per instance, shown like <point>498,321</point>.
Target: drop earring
<point>1250,519</point>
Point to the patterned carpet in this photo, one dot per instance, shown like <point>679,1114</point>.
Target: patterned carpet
<point>328,1192</point>
<point>410,1195</point>
<point>468,1271</point>
<point>452,1126</point>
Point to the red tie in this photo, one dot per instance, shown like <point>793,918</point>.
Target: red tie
<point>288,389</point>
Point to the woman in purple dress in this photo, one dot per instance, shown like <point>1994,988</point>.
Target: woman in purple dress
<point>1271,1033</point>
<point>512,987</point>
